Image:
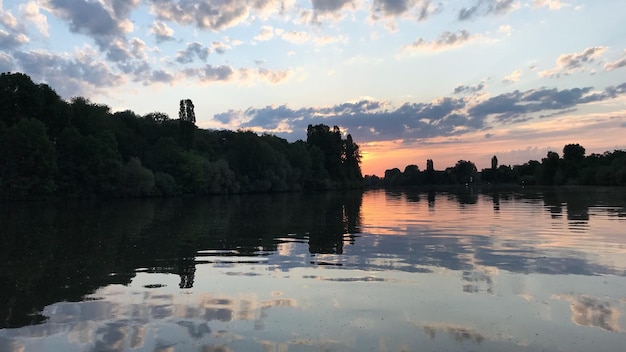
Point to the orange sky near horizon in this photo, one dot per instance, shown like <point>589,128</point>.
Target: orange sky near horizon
<point>596,132</point>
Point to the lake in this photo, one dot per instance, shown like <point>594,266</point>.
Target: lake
<point>466,270</point>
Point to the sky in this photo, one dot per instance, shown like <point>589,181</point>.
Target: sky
<point>410,80</point>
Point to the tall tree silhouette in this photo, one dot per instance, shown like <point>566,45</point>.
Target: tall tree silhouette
<point>186,112</point>
<point>187,122</point>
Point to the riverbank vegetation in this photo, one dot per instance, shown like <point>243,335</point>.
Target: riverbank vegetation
<point>54,148</point>
<point>573,168</point>
<point>78,149</point>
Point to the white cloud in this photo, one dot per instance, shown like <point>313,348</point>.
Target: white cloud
<point>12,40</point>
<point>266,33</point>
<point>326,40</point>
<point>551,4</point>
<point>7,19</point>
<point>505,29</point>
<point>262,74</point>
<point>447,40</point>
<point>568,64</point>
<point>220,47</point>
<point>512,77</point>
<point>214,15</point>
<point>30,12</point>
<point>621,62</point>
<point>295,37</point>
<point>161,31</point>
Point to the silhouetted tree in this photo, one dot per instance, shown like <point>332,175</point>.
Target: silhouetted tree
<point>27,160</point>
<point>351,159</point>
<point>464,171</point>
<point>411,175</point>
<point>549,168</point>
<point>186,111</point>
<point>393,177</point>
<point>160,117</point>
<point>573,152</point>
<point>494,163</point>
<point>187,122</point>
<point>136,180</point>
<point>342,158</point>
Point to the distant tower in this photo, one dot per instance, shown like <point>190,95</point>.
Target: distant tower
<point>429,165</point>
<point>494,163</point>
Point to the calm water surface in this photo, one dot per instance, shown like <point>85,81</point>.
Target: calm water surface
<point>522,270</point>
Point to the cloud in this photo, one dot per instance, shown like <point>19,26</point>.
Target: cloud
<point>219,47</point>
<point>505,29</point>
<point>192,51</point>
<point>160,76</point>
<point>13,36</point>
<point>512,77</point>
<point>225,73</point>
<point>196,50</point>
<point>210,73</point>
<point>619,63</point>
<point>331,9</point>
<point>326,40</point>
<point>30,12</point>
<point>228,116</point>
<point>456,332</point>
<point>266,33</point>
<point>487,7</point>
<point>213,15</point>
<point>12,40</point>
<point>324,6</point>
<point>393,8</point>
<point>249,76</point>
<point>129,56</point>
<point>6,62</point>
<point>515,105</point>
<point>461,89</point>
<point>7,19</point>
<point>161,31</point>
<point>568,64</point>
<point>420,10</point>
<point>83,73</point>
<point>370,120</point>
<point>273,76</point>
<point>295,37</point>
<point>367,119</point>
<point>107,23</point>
<point>593,312</point>
<point>99,20</point>
<point>446,40</point>
<point>551,4</point>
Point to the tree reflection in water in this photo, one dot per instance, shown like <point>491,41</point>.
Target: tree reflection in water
<point>65,263</point>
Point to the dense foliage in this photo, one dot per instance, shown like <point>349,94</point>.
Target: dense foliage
<point>50,147</point>
<point>574,168</point>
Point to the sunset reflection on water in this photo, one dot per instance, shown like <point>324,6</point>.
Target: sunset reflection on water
<point>382,271</point>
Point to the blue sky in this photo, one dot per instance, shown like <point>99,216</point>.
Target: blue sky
<point>409,79</point>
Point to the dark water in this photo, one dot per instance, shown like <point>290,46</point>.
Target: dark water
<point>523,270</point>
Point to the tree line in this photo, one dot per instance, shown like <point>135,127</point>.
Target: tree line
<point>50,147</point>
<point>573,168</point>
